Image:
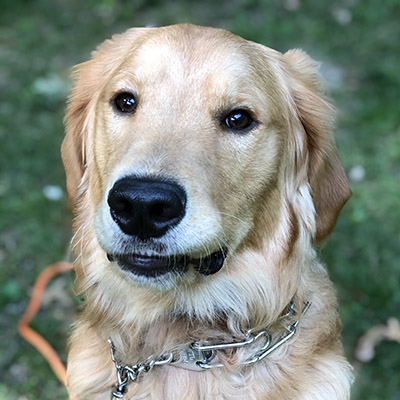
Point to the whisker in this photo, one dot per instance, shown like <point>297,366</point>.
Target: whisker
<point>251,228</point>
<point>232,216</point>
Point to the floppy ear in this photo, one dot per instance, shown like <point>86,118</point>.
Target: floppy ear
<point>329,186</point>
<point>73,151</point>
<point>89,79</point>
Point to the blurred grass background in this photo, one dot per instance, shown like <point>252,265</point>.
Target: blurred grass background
<point>357,41</point>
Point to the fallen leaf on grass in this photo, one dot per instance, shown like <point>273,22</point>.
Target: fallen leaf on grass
<point>365,350</point>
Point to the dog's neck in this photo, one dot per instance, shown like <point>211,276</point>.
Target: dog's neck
<point>204,355</point>
<point>209,353</point>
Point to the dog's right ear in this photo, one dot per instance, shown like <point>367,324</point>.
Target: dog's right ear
<point>89,79</point>
<point>73,151</point>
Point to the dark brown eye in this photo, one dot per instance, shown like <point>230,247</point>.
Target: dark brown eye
<point>125,102</point>
<point>238,120</point>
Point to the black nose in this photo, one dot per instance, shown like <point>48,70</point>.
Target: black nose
<point>146,208</point>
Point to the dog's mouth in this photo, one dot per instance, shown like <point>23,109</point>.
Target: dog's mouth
<point>152,266</point>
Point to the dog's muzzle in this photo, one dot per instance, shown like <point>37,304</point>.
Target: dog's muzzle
<point>147,208</point>
<point>153,266</point>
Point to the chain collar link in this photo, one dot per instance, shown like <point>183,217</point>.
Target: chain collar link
<point>200,356</point>
<point>127,373</point>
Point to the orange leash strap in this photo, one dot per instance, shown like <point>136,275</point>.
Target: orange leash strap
<point>36,340</point>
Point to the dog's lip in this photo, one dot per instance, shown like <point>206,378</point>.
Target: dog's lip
<point>156,265</point>
<point>150,266</point>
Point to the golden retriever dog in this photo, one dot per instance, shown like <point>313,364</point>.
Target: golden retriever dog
<point>202,171</point>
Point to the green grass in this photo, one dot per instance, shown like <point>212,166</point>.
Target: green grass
<point>41,40</point>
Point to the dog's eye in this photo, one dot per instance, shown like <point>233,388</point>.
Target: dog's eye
<point>238,120</point>
<point>125,102</point>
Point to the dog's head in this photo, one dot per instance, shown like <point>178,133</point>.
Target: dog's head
<point>187,147</point>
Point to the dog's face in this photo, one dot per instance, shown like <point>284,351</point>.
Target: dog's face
<point>184,147</point>
<point>187,144</point>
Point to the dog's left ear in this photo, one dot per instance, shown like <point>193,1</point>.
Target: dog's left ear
<point>330,189</point>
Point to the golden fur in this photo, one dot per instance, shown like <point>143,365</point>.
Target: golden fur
<point>268,195</point>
